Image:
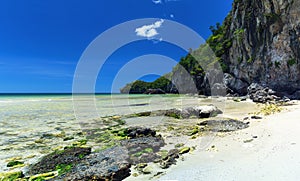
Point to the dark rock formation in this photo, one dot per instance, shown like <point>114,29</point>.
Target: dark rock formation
<point>170,159</point>
<point>143,149</point>
<point>114,163</point>
<point>223,125</point>
<point>135,132</point>
<point>265,44</point>
<point>235,85</point>
<point>198,111</point>
<point>262,95</point>
<point>68,156</point>
<point>185,113</point>
<point>110,164</point>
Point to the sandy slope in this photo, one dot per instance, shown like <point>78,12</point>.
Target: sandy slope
<point>273,155</point>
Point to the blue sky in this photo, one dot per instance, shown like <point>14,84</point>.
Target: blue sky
<point>41,41</point>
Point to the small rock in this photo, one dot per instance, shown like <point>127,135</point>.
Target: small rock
<point>254,137</point>
<point>135,132</point>
<point>158,173</point>
<point>135,174</point>
<point>248,141</point>
<point>179,145</point>
<point>147,170</point>
<point>14,163</point>
<point>141,166</point>
<point>184,150</point>
<point>256,117</point>
<point>68,138</point>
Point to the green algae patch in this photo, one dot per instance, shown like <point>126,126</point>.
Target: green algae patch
<point>269,109</point>
<point>163,154</point>
<point>80,143</point>
<point>63,168</point>
<point>179,145</point>
<point>140,153</point>
<point>10,176</point>
<point>15,163</point>
<point>194,131</point>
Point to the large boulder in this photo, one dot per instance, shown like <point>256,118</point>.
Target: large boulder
<point>260,94</point>
<point>197,111</point>
<point>68,156</point>
<point>235,84</point>
<point>110,164</point>
<point>223,125</point>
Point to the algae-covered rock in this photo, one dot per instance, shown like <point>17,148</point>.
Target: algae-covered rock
<point>184,150</point>
<point>147,170</point>
<point>135,132</point>
<point>143,149</point>
<point>11,176</point>
<point>179,145</point>
<point>15,163</point>
<point>50,162</point>
<point>140,166</point>
<point>170,159</point>
<point>110,164</point>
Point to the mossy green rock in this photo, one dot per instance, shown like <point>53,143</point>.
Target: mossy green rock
<point>179,145</point>
<point>58,158</point>
<point>141,166</point>
<point>14,163</point>
<point>10,176</point>
<point>184,150</point>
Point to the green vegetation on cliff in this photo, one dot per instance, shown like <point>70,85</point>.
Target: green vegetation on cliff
<point>139,86</point>
<point>195,62</point>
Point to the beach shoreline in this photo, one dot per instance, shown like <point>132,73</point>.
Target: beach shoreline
<point>211,155</point>
<point>267,150</point>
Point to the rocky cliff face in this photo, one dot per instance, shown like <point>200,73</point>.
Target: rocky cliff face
<point>258,42</point>
<point>265,37</point>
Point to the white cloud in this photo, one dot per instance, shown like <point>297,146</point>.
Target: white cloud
<point>171,0</point>
<point>163,1</point>
<point>157,1</point>
<point>149,31</point>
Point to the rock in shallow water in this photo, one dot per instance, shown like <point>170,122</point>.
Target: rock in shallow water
<point>49,162</point>
<point>223,125</point>
<point>197,111</point>
<point>110,164</point>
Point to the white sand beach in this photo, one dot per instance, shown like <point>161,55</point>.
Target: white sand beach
<point>267,150</point>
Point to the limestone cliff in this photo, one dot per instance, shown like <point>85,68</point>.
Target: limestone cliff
<point>258,42</point>
<point>265,43</point>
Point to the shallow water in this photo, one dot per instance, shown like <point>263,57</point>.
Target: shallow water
<point>27,121</point>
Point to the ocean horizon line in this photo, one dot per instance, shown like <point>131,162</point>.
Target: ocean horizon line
<point>56,93</point>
